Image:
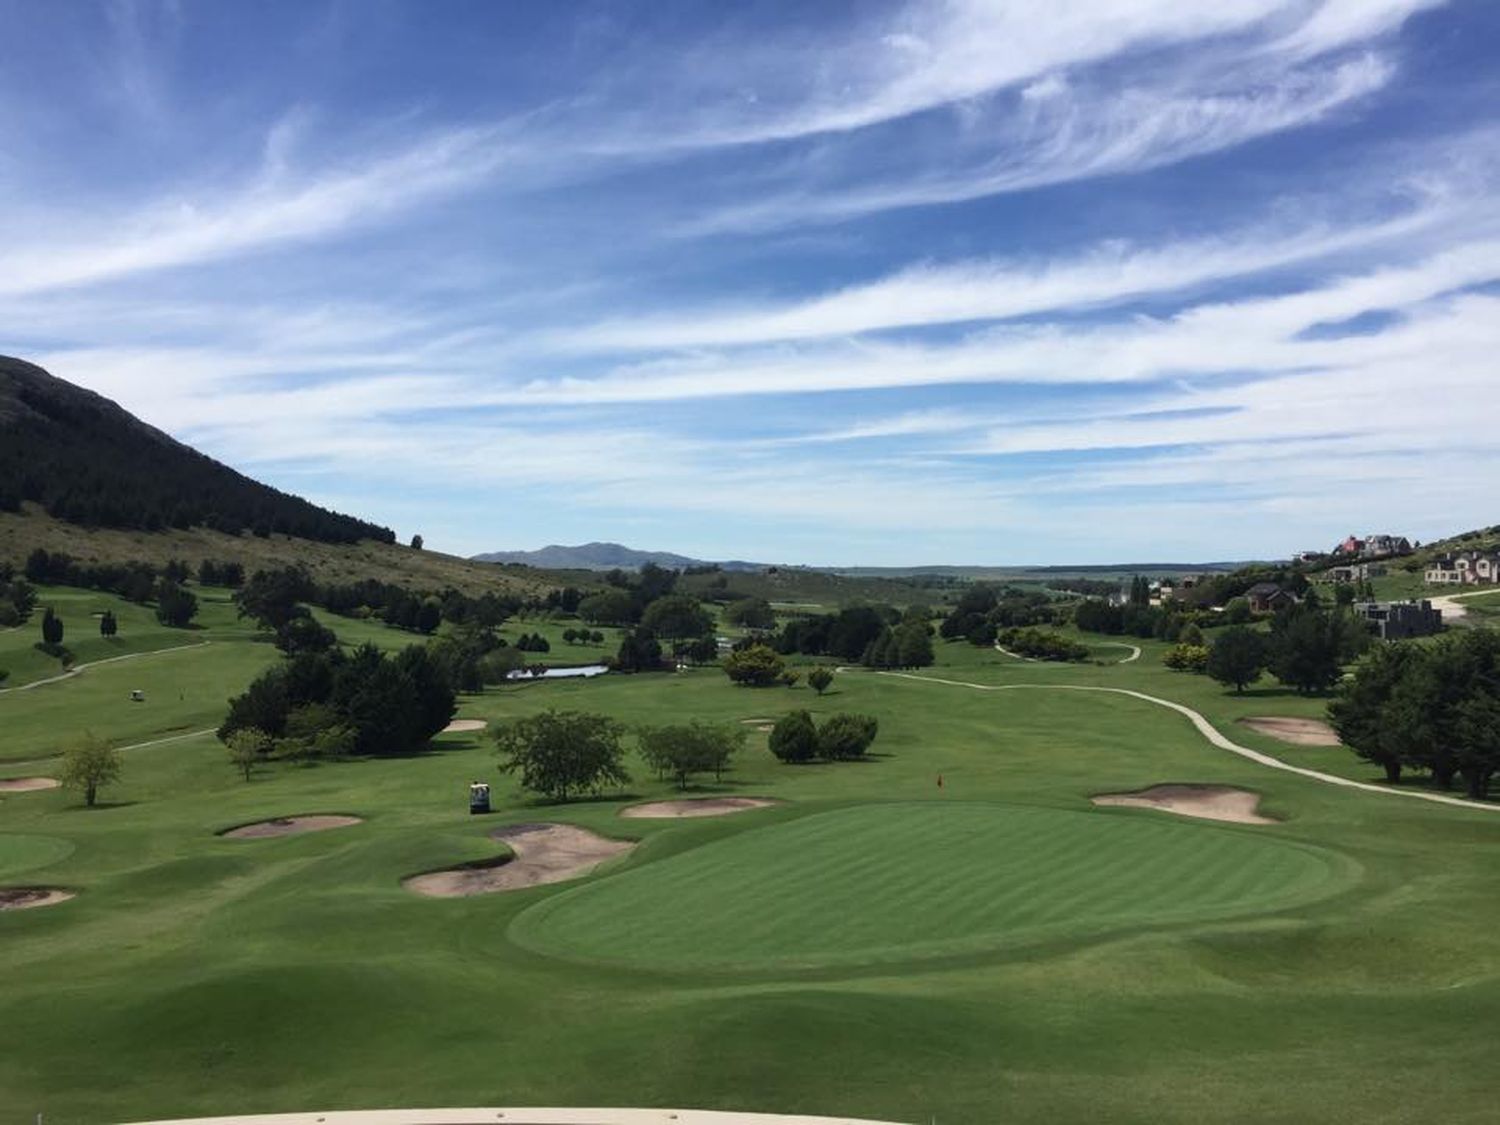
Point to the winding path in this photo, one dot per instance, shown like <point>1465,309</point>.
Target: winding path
<point>78,669</point>
<point>1210,732</point>
<point>1452,607</point>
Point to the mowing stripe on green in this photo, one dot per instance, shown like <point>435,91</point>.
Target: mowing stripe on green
<point>894,882</point>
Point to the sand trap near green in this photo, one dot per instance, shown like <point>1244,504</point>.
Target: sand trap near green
<point>899,882</point>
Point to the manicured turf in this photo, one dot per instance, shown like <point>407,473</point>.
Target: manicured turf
<point>901,882</point>
<point>194,975</point>
<point>19,854</point>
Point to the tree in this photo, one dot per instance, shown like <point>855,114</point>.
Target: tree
<point>52,627</point>
<point>819,679</point>
<point>429,615</point>
<point>677,616</point>
<point>843,737</point>
<point>638,653</point>
<point>751,613</point>
<point>1478,743</point>
<point>1359,715</point>
<point>755,666</point>
<point>175,606</point>
<point>303,634</point>
<point>1237,657</point>
<point>247,746</point>
<point>1306,648</point>
<point>416,542</point>
<point>1186,658</point>
<point>790,677</point>
<point>610,607</point>
<point>270,597</point>
<point>794,738</point>
<point>681,751</point>
<point>89,765</point>
<point>562,753</point>
<point>913,645</point>
<point>108,626</point>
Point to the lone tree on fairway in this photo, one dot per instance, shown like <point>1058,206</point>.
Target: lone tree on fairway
<point>174,605</point>
<point>52,628</point>
<point>1237,657</point>
<point>562,753</point>
<point>819,679</point>
<point>794,738</point>
<point>89,765</point>
<point>108,626</point>
<point>247,746</point>
<point>756,666</point>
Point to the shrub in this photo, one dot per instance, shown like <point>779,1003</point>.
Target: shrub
<point>794,738</point>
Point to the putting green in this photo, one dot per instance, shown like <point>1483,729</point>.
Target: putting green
<point>27,853</point>
<point>896,882</point>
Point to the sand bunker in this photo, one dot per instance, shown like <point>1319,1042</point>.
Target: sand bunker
<point>698,806</point>
<point>27,784</point>
<point>289,826</point>
<point>461,726</point>
<point>24,898</point>
<point>1302,732</point>
<point>1207,802</point>
<point>544,853</point>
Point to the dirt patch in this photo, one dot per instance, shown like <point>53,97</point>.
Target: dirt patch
<point>463,726</point>
<point>759,723</point>
<point>1207,802</point>
<point>544,853</point>
<point>289,826</point>
<point>27,784</point>
<point>696,806</point>
<point>1301,732</point>
<point>24,898</point>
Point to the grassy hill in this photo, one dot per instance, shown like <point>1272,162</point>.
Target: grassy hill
<point>22,532</point>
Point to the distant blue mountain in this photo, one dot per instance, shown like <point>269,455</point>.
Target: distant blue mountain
<point>605,556</point>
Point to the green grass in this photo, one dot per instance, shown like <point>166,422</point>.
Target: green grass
<point>1343,964</point>
<point>902,882</point>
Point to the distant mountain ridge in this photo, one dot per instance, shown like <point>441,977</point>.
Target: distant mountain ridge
<point>606,556</point>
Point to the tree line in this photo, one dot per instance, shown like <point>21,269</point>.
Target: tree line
<point>1432,706</point>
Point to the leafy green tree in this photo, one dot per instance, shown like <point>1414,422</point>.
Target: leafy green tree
<point>610,607</point>
<point>429,615</point>
<point>819,679</point>
<point>912,644</point>
<point>1237,611</point>
<point>1192,635</point>
<point>681,751</point>
<point>677,616</point>
<point>1478,743</point>
<point>271,597</point>
<point>794,738</point>
<point>88,765</point>
<point>175,606</point>
<point>108,626</point>
<point>247,747</point>
<point>751,613</point>
<point>1237,657</point>
<point>1307,647</point>
<point>638,653</point>
<point>416,542</point>
<point>1359,715</point>
<point>562,753</point>
<point>1186,658</point>
<point>845,736</point>
<point>52,627</point>
<point>754,666</point>
<point>302,633</point>
<point>790,677</point>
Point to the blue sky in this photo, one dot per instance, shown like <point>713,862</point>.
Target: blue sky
<point>830,283</point>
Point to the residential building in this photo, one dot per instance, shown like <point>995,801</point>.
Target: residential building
<point>1465,568</point>
<point>1268,597</point>
<point>1393,621</point>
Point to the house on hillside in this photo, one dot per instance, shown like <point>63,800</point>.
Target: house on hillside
<point>1464,568</point>
<point>1354,572</point>
<point>1268,597</point>
<point>1373,547</point>
<point>1394,621</point>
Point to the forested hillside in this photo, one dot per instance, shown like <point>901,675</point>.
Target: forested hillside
<point>89,462</point>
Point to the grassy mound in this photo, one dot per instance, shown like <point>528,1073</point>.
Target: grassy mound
<point>906,881</point>
<point>27,853</point>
